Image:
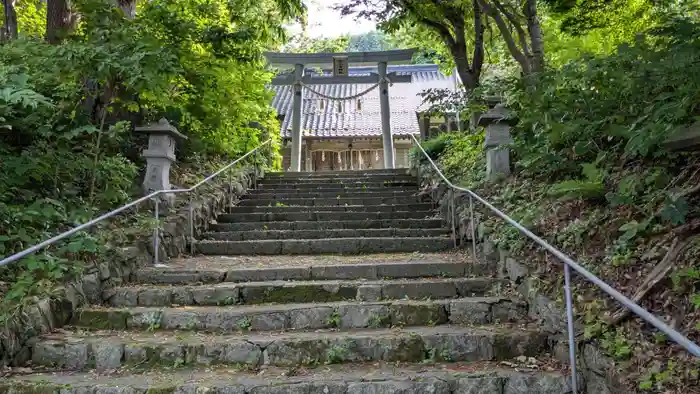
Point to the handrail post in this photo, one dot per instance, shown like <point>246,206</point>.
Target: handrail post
<point>473,225</point>
<point>255,170</point>
<point>229,191</point>
<point>570,324</point>
<point>156,232</point>
<point>451,209</point>
<point>420,181</point>
<point>191,223</point>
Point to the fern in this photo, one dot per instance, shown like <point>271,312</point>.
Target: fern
<point>578,189</point>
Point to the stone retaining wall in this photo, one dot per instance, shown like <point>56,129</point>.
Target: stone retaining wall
<point>99,280</point>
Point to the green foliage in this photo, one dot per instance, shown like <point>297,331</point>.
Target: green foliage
<point>67,112</point>
<point>593,105</point>
<point>369,42</point>
<point>305,44</point>
<point>664,374</point>
<point>366,42</point>
<point>615,343</point>
<point>463,160</point>
<point>433,147</point>
<point>591,187</point>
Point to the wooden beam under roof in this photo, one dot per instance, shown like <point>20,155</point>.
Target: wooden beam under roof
<point>397,56</point>
<point>331,80</point>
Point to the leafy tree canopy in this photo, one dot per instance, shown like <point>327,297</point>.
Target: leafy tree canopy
<point>68,108</point>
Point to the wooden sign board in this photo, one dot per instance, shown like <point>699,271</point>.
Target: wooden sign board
<point>340,66</point>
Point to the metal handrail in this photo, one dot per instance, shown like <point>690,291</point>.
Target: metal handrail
<point>679,338</point>
<point>50,241</point>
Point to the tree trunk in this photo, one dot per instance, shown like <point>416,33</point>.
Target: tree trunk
<point>128,7</point>
<point>535,30</point>
<point>60,20</point>
<point>478,55</point>
<point>468,77</point>
<point>468,73</point>
<point>9,29</point>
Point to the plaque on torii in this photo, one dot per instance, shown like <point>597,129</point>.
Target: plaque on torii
<point>340,63</point>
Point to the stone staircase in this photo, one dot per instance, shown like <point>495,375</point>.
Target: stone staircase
<point>315,283</point>
<point>343,212</point>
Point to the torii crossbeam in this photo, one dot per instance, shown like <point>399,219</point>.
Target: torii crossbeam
<point>298,79</point>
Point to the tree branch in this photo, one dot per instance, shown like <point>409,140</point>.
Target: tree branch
<point>507,36</point>
<point>442,30</point>
<point>522,37</point>
<point>478,56</point>
<point>655,276</point>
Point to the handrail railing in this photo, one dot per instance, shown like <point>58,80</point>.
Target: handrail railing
<point>679,338</point>
<point>50,241</point>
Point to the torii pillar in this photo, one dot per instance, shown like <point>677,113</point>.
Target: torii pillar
<point>296,117</point>
<point>387,138</point>
<point>297,79</point>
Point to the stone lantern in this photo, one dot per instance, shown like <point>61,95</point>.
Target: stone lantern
<point>159,156</point>
<point>497,126</point>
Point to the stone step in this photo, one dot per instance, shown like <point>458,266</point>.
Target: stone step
<point>386,179</point>
<point>318,234</point>
<point>330,225</point>
<point>326,174</point>
<point>329,202</point>
<point>266,194</point>
<point>337,315</point>
<point>325,246</point>
<point>322,215</point>
<point>81,350</point>
<point>250,293</point>
<point>370,267</point>
<point>334,208</point>
<point>336,186</point>
<point>361,378</point>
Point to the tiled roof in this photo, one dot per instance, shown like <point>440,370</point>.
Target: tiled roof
<point>325,119</point>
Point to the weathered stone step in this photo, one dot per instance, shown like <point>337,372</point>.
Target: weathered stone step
<point>318,234</point>
<point>329,224</point>
<point>387,179</point>
<point>300,292</point>
<point>276,194</point>
<point>334,208</point>
<point>322,215</point>
<point>408,185</point>
<point>317,202</point>
<point>325,246</point>
<point>218,271</point>
<point>374,378</point>
<point>104,351</point>
<point>326,174</point>
<point>338,315</point>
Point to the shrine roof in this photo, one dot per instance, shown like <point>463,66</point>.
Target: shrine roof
<point>322,118</point>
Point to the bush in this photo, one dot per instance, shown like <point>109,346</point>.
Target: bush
<point>463,160</point>
<point>433,147</point>
<point>623,106</point>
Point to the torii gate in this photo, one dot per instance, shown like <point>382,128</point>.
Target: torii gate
<point>341,61</point>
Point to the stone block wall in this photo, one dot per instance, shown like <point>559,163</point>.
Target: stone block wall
<point>99,280</point>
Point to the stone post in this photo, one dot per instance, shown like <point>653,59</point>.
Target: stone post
<point>159,157</point>
<point>497,127</point>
